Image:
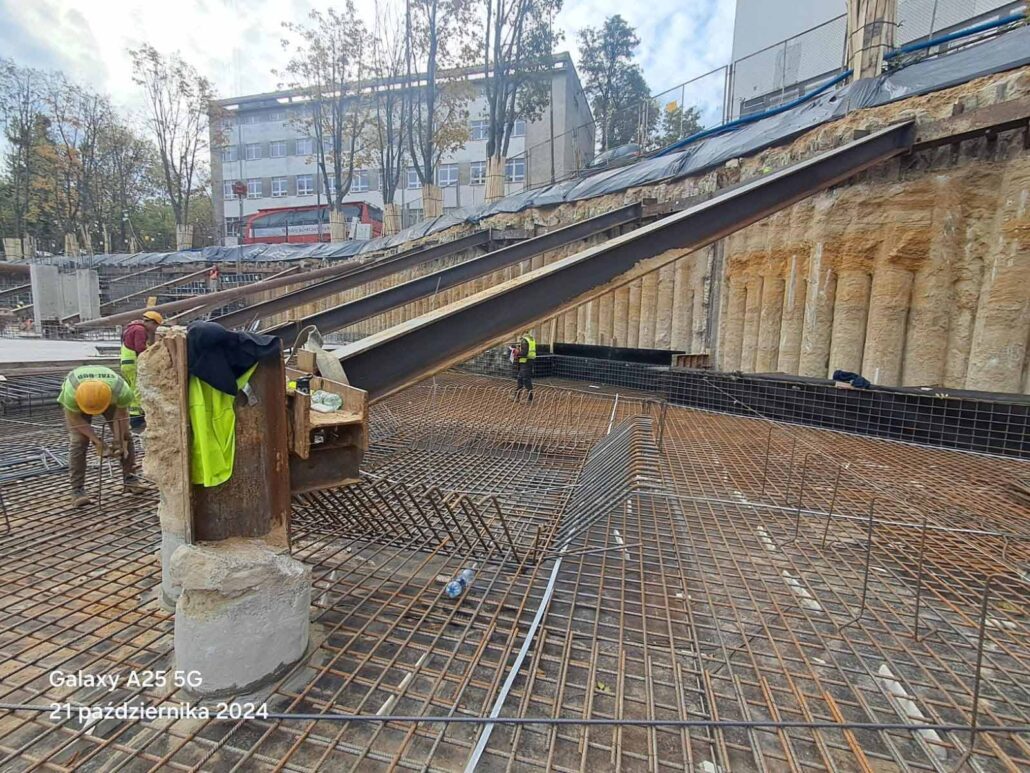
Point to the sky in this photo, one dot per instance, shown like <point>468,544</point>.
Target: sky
<point>237,43</point>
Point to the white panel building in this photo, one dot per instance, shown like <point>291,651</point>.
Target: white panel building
<point>263,144</point>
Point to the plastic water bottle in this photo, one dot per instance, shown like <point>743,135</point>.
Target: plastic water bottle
<point>457,586</point>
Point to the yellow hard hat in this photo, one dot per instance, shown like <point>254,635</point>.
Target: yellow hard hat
<point>93,396</point>
<point>154,316</point>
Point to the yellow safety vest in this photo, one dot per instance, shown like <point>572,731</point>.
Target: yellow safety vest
<point>532,348</point>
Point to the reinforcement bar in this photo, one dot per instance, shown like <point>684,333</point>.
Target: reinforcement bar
<point>422,287</point>
<point>363,274</point>
<point>392,359</point>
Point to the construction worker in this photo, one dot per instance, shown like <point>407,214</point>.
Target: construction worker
<point>525,353</point>
<point>136,337</point>
<point>88,391</point>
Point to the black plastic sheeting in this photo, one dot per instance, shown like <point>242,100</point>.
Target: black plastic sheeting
<point>1005,52</point>
<point>985,422</point>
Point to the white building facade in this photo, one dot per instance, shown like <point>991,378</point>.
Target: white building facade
<point>261,141</point>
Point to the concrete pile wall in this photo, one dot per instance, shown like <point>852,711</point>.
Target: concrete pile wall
<point>916,272</point>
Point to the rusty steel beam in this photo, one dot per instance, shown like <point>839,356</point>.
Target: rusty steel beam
<point>222,296</point>
<point>392,359</point>
<point>365,273</point>
<point>422,287</point>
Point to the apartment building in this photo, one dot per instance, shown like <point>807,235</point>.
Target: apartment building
<point>261,141</point>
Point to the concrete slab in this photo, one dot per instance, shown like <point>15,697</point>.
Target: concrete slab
<point>43,350</point>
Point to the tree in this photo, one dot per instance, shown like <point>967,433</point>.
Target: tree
<point>178,103</point>
<point>614,84</point>
<point>388,131</point>
<point>79,121</point>
<point>437,34</point>
<point>329,67</point>
<point>676,124</point>
<point>21,108</point>
<point>518,45</point>
<point>126,162</point>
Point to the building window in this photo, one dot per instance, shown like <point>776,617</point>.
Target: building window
<point>447,175</point>
<point>413,181</point>
<point>254,188</point>
<point>278,187</point>
<point>252,151</point>
<point>252,118</point>
<point>478,129</point>
<point>227,189</point>
<point>515,170</point>
<point>232,226</point>
<point>412,216</point>
<point>519,128</point>
<point>359,182</point>
<point>305,147</point>
<point>331,186</point>
<point>228,124</point>
<point>305,185</point>
<point>277,149</point>
<point>228,154</point>
<point>277,115</point>
<point>477,173</point>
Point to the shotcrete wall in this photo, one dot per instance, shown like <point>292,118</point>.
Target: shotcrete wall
<point>916,272</point>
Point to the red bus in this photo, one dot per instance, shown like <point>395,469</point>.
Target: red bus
<point>302,225</point>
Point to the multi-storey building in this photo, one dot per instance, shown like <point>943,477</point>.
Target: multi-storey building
<point>259,140</point>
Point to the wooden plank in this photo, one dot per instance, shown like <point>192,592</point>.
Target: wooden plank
<point>255,501</point>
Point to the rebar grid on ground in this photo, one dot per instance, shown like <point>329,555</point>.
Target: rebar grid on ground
<point>741,585</point>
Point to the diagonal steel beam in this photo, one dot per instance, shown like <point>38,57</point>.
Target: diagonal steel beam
<point>355,278</point>
<point>388,361</point>
<point>337,269</point>
<point>422,287</point>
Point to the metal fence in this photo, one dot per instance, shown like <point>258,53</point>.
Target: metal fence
<point>788,69</point>
<point>920,19</point>
<point>780,73</point>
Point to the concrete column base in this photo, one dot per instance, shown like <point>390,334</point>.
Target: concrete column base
<point>243,617</point>
<point>170,590</point>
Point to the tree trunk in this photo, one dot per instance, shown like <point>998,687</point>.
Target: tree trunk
<point>432,201</point>
<point>495,178</point>
<point>391,219</point>
<point>337,226</point>
<point>870,35</point>
<point>71,245</point>
<point>183,237</point>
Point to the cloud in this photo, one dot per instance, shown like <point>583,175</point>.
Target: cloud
<point>237,43</point>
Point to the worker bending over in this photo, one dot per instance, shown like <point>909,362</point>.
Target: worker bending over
<point>136,337</point>
<point>525,353</point>
<point>89,391</point>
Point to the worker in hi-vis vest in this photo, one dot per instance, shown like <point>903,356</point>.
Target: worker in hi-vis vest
<point>136,337</point>
<point>525,353</point>
<point>88,391</point>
